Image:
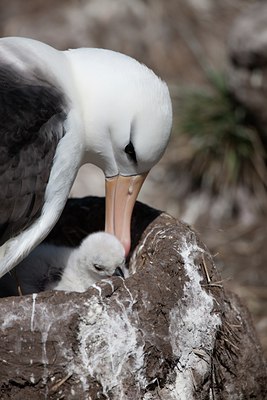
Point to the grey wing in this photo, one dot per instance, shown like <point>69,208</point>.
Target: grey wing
<point>32,114</point>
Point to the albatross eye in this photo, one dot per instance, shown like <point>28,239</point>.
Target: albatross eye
<point>129,149</point>
<point>98,267</point>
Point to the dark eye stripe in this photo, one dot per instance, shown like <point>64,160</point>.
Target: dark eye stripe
<point>129,149</point>
<point>98,267</point>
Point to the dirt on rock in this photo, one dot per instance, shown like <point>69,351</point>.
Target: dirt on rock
<point>166,330</point>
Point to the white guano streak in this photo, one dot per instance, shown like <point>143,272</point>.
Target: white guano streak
<point>193,324</point>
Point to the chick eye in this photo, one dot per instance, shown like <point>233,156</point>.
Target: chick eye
<point>129,149</point>
<point>98,267</point>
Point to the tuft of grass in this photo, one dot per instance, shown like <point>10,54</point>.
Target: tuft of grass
<point>226,150</point>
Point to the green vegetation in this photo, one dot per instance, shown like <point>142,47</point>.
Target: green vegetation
<point>225,149</point>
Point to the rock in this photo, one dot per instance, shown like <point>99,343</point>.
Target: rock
<point>248,62</point>
<point>173,37</point>
<point>168,331</point>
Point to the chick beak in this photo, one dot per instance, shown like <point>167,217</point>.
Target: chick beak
<point>121,194</point>
<point>118,272</point>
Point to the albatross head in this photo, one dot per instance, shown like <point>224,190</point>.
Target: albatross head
<point>127,120</point>
<point>99,256</point>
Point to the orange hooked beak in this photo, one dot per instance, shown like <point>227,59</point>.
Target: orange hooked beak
<point>121,194</point>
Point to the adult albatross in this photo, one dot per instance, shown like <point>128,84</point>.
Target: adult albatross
<point>59,110</point>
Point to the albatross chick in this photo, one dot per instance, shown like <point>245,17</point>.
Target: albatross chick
<point>99,256</point>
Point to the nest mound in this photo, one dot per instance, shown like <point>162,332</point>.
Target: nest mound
<point>168,331</point>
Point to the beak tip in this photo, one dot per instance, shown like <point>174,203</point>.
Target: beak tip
<point>119,272</point>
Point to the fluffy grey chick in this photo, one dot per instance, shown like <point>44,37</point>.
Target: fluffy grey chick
<point>98,256</point>
<point>65,268</point>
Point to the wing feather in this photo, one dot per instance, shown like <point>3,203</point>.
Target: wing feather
<point>32,115</point>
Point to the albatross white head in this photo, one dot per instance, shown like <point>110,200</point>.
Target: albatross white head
<point>99,256</point>
<point>127,118</point>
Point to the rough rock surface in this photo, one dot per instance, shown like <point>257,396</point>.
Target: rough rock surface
<point>168,331</point>
<point>248,61</point>
<point>174,37</point>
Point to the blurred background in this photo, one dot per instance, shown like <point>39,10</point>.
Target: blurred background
<point>213,55</point>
